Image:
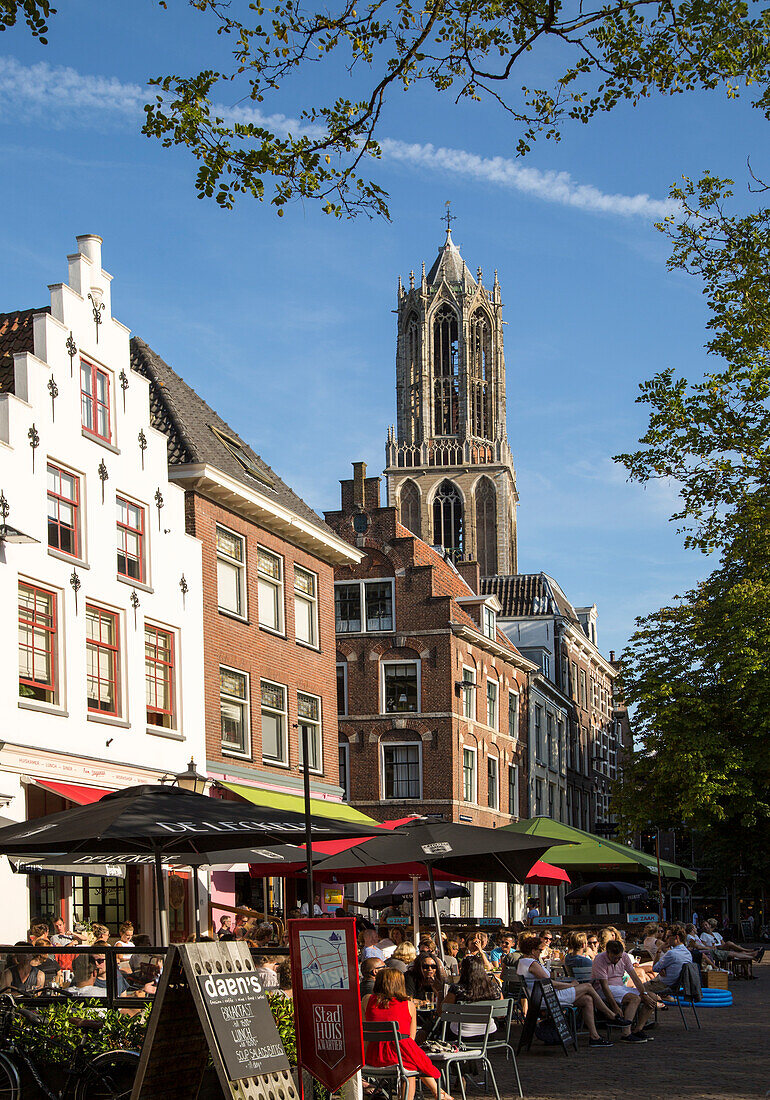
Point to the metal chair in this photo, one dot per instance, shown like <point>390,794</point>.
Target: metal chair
<point>689,976</point>
<point>476,1014</point>
<point>515,990</point>
<point>500,1040</point>
<point>388,1033</point>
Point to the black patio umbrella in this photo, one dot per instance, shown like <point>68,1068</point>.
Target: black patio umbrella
<point>606,891</point>
<point>468,851</point>
<point>398,892</point>
<point>163,821</point>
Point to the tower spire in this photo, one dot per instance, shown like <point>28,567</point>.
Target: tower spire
<point>448,217</point>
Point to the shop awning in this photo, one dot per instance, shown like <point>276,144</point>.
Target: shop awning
<point>74,792</point>
<point>319,807</point>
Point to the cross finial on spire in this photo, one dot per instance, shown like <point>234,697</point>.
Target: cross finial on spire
<point>449,217</point>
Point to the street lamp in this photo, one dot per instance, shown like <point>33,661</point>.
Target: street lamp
<point>191,780</point>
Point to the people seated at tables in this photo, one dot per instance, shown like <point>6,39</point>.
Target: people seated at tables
<point>652,939</point>
<point>426,943</point>
<point>62,938</point>
<point>506,942</point>
<point>713,938</point>
<point>609,932</point>
<point>630,1001</point>
<point>403,957</point>
<point>389,943</point>
<point>474,945</point>
<point>24,975</point>
<point>451,962</point>
<point>696,946</point>
<point>49,964</point>
<point>592,944</point>
<point>85,974</point>
<point>389,1002</point>
<point>581,994</point>
<point>426,979</point>
<point>367,942</point>
<point>224,925</point>
<point>475,984</point>
<point>577,951</point>
<point>265,969</point>
<point>668,964</point>
<point>369,971</point>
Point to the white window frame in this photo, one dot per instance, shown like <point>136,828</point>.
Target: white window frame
<point>344,666</point>
<point>59,703</point>
<point>469,693</point>
<point>474,753</point>
<point>362,584</point>
<point>304,599</point>
<point>173,730</point>
<point>513,788</point>
<point>344,750</point>
<point>538,796</point>
<point>399,745</point>
<point>547,665</point>
<point>278,762</point>
<point>277,587</point>
<point>514,733</point>
<point>489,621</point>
<point>121,684</point>
<point>245,705</point>
<point>496,716</point>
<point>411,661</point>
<point>537,731</point>
<point>240,569</point>
<point>318,733</point>
<point>493,805</point>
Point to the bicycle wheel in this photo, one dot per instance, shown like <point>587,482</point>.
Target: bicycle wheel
<point>109,1076</point>
<point>10,1082</point>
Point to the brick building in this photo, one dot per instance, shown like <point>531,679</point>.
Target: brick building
<point>268,611</point>
<point>540,620</point>
<point>432,697</point>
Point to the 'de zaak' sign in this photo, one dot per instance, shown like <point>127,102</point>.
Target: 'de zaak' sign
<point>327,1004</point>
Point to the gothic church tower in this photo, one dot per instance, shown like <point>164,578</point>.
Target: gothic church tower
<point>448,464</point>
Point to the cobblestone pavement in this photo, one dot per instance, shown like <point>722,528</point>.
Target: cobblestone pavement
<point>728,1059</point>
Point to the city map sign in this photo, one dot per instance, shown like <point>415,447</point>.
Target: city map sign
<point>327,1002</point>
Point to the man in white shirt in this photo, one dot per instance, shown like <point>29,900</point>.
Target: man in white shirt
<point>84,972</point>
<point>304,909</point>
<point>369,945</point>
<point>711,936</point>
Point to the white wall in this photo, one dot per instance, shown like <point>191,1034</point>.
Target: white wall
<point>64,741</point>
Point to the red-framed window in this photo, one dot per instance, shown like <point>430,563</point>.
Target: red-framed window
<point>159,676</point>
<point>131,528</point>
<point>95,400</point>
<point>37,643</point>
<point>63,510</point>
<point>102,660</point>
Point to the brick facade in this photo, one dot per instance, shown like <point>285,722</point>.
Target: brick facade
<point>437,625</point>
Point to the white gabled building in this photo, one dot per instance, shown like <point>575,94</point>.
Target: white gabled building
<point>101,685</point>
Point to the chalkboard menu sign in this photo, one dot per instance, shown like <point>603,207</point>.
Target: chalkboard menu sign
<point>210,1003</point>
<point>243,1024</point>
<point>544,1002</point>
<point>747,930</point>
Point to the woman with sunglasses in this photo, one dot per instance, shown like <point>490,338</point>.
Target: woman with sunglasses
<point>426,979</point>
<point>592,945</point>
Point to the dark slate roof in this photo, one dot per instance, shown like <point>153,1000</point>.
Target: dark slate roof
<point>15,336</point>
<point>187,421</point>
<point>529,594</point>
<point>449,265</point>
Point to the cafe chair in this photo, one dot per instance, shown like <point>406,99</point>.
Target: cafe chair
<point>388,1032</point>
<point>478,1016</point>
<point>515,989</point>
<point>687,990</point>
<point>500,1039</point>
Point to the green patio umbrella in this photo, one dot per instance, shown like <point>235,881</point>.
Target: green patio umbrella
<point>594,853</point>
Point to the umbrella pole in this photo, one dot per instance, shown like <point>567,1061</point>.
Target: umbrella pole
<point>196,902</point>
<point>439,940</point>
<point>416,908</point>
<point>160,893</point>
<point>308,829</point>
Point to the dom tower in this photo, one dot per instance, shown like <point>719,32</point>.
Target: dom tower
<point>448,465</point>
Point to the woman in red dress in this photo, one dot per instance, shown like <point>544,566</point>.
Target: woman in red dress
<point>387,1003</point>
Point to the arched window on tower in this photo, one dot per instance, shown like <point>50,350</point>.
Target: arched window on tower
<point>448,528</point>
<point>482,425</point>
<point>486,527</point>
<point>413,377</point>
<point>409,500</point>
<point>445,370</point>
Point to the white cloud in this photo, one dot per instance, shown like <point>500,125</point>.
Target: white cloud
<point>61,97</point>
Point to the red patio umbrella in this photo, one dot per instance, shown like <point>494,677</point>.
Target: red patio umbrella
<point>543,874</point>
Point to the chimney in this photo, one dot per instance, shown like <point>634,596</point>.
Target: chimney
<point>612,656</point>
<point>359,484</point>
<point>470,573</point>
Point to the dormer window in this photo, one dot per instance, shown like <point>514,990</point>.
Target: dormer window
<point>235,447</point>
<point>489,622</point>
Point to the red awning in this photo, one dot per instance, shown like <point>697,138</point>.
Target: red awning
<point>543,874</point>
<point>74,792</point>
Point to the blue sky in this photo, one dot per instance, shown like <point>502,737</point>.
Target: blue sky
<point>286,326</point>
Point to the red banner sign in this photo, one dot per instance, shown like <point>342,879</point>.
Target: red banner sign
<point>327,1002</point>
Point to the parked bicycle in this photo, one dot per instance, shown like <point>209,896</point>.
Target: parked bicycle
<point>106,1076</point>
